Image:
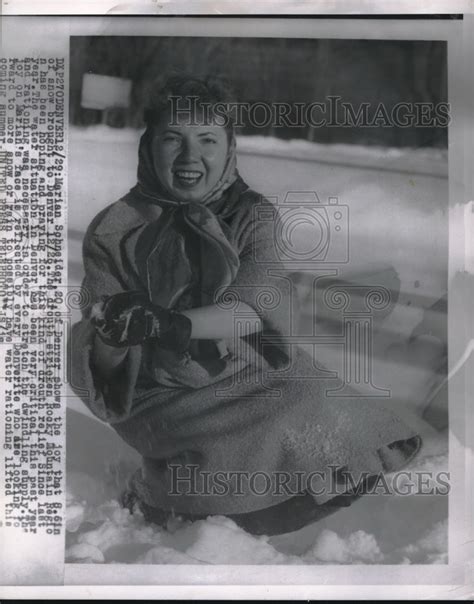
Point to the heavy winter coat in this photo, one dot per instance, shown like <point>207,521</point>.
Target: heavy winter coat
<point>237,411</point>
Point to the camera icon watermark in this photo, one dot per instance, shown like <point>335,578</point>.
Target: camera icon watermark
<point>300,239</point>
<point>305,230</point>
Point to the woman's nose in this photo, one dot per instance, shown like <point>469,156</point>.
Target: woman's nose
<point>189,152</point>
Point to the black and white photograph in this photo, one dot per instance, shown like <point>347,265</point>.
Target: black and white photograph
<point>236,266</point>
<point>260,230</point>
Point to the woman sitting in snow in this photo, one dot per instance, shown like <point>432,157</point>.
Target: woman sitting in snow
<point>183,346</point>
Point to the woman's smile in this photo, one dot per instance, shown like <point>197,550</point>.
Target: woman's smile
<point>189,159</point>
<point>187,178</point>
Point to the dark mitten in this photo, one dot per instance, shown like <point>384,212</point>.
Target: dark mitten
<point>129,319</point>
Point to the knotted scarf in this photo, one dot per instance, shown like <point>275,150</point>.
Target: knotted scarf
<point>185,252</point>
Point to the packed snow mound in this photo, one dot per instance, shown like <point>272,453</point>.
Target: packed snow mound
<point>358,548</point>
<point>112,534</point>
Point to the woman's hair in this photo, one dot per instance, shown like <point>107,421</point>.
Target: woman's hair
<point>204,93</point>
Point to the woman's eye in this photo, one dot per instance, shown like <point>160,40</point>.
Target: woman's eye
<point>209,140</point>
<point>171,138</point>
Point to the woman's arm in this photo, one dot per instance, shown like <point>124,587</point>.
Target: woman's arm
<point>208,322</point>
<point>213,322</point>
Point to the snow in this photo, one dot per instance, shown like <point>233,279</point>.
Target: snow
<point>358,548</point>
<point>296,148</point>
<point>377,529</point>
<point>398,212</point>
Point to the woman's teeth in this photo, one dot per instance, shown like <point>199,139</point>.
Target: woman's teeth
<point>189,177</point>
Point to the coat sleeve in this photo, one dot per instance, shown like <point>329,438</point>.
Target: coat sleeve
<point>108,401</point>
<point>264,283</point>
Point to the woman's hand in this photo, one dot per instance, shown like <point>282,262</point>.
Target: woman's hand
<point>130,318</point>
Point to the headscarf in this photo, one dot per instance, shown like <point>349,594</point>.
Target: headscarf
<point>152,188</point>
<point>186,249</point>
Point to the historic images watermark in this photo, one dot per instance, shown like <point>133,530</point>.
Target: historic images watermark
<point>188,479</point>
<point>332,112</point>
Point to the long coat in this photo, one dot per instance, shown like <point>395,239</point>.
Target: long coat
<point>254,405</point>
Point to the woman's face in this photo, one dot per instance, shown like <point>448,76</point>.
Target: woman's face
<point>189,160</point>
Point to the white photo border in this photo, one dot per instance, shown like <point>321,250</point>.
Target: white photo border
<point>383,581</point>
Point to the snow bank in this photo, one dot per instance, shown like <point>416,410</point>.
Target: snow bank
<point>432,160</point>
